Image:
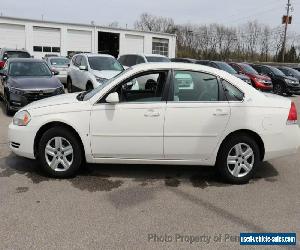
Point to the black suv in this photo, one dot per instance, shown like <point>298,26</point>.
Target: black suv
<point>12,53</point>
<point>281,83</point>
<point>23,81</point>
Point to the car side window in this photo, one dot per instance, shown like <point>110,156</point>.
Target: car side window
<point>147,87</point>
<point>191,86</point>
<point>232,93</point>
<point>78,61</point>
<point>83,62</point>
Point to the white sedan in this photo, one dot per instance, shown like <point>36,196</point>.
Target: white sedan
<point>217,120</point>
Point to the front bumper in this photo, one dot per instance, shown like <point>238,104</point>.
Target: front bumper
<point>18,101</point>
<point>21,140</point>
<point>293,89</point>
<point>263,86</point>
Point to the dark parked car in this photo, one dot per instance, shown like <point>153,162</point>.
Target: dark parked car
<point>184,60</point>
<point>281,83</point>
<point>6,53</point>
<point>258,81</point>
<point>289,72</point>
<point>226,67</point>
<point>26,80</point>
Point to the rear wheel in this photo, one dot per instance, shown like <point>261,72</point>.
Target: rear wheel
<point>238,159</point>
<point>69,85</point>
<point>59,152</point>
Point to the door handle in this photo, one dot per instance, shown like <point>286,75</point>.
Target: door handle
<point>220,112</point>
<point>151,113</point>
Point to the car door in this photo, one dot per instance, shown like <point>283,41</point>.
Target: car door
<point>132,128</point>
<point>196,116</point>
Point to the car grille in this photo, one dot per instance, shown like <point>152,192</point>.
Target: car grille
<point>35,95</point>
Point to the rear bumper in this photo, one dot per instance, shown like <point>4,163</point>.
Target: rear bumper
<point>282,144</point>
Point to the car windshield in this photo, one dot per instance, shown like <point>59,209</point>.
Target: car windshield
<point>248,69</point>
<point>88,95</point>
<point>277,71</point>
<point>290,71</point>
<point>29,69</point>
<point>226,67</point>
<point>104,63</point>
<point>157,59</point>
<point>59,61</point>
<point>16,54</point>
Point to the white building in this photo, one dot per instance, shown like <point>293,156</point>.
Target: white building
<point>48,37</point>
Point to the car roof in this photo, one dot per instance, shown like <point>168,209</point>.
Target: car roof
<point>141,54</point>
<point>25,60</point>
<point>94,55</point>
<point>11,49</point>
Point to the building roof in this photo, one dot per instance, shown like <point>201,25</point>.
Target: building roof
<point>81,24</point>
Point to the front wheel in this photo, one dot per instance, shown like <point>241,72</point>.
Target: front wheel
<point>69,85</point>
<point>8,109</point>
<point>59,153</point>
<point>238,159</point>
<point>277,89</point>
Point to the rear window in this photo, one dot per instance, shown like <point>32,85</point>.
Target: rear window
<point>16,54</point>
<point>59,61</point>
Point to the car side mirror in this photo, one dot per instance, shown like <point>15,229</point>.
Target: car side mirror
<point>83,68</point>
<point>112,98</point>
<point>55,73</point>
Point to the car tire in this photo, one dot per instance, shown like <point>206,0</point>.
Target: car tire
<point>277,89</point>
<point>60,153</point>
<point>238,159</point>
<point>8,109</point>
<point>69,85</point>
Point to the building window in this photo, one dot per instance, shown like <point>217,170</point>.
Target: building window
<point>46,49</point>
<point>56,49</point>
<point>37,48</point>
<point>160,46</point>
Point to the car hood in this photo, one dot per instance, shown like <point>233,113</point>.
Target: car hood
<point>291,78</point>
<point>54,101</point>
<point>107,74</point>
<point>35,82</point>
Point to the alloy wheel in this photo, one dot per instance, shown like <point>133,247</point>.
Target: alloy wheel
<point>240,160</point>
<point>59,154</point>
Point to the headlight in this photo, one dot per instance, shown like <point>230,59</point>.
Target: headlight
<point>100,79</point>
<point>288,81</point>
<point>21,118</point>
<point>16,91</point>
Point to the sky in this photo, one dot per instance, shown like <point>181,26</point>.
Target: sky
<point>125,12</point>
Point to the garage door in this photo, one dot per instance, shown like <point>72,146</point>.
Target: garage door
<point>12,36</point>
<point>134,44</point>
<point>46,37</point>
<point>79,40</point>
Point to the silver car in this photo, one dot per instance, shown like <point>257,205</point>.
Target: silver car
<point>59,64</point>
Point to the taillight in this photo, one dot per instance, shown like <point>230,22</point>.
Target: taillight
<point>2,63</point>
<point>292,118</point>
